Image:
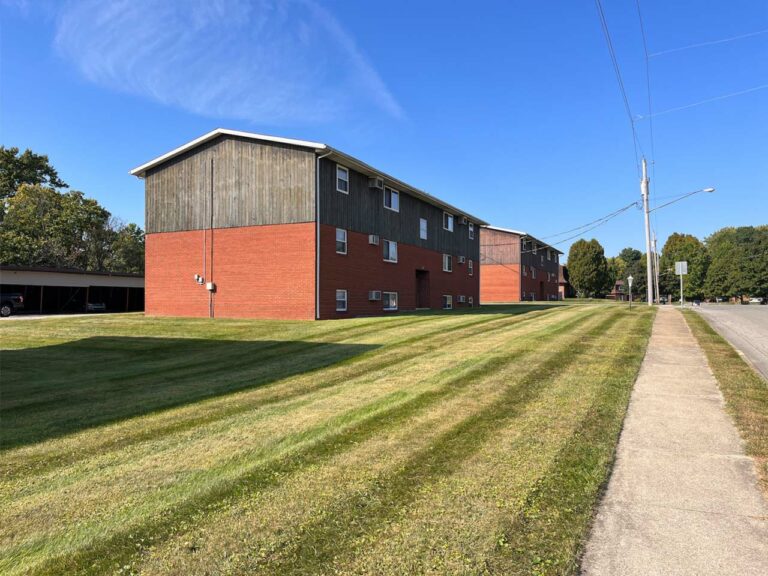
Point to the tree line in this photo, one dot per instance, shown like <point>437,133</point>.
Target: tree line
<point>45,224</point>
<point>731,263</point>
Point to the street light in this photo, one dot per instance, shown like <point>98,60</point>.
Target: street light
<point>683,197</point>
<point>629,280</point>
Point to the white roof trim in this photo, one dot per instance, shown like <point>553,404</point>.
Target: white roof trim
<point>139,171</point>
<point>510,231</point>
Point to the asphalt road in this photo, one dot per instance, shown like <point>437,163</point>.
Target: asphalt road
<point>745,327</point>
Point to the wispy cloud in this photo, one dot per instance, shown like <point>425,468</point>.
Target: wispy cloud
<point>280,61</point>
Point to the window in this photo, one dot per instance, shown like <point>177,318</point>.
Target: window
<point>341,300</point>
<point>447,221</point>
<point>535,247</point>
<point>470,267</point>
<point>447,302</point>
<point>549,254</point>
<point>341,241</point>
<point>391,199</point>
<point>390,251</point>
<point>557,258</point>
<point>423,228</point>
<point>533,272</point>
<point>525,270</point>
<point>390,300</point>
<point>342,179</point>
<point>471,231</point>
<point>447,263</point>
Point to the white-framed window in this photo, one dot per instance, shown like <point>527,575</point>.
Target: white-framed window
<point>341,300</point>
<point>342,179</point>
<point>533,272</point>
<point>390,251</point>
<point>470,267</point>
<point>447,263</point>
<point>341,241</point>
<point>549,255</point>
<point>447,221</point>
<point>525,270</point>
<point>389,299</point>
<point>533,296</point>
<point>391,199</point>
<point>471,231</point>
<point>557,258</point>
<point>535,247</point>
<point>447,302</point>
<point>423,228</point>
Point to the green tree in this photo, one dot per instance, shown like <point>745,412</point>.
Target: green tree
<point>739,262</point>
<point>587,268</point>
<point>683,248</point>
<point>25,168</point>
<point>630,255</point>
<point>127,253</point>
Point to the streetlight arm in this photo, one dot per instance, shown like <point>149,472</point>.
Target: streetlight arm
<point>708,190</point>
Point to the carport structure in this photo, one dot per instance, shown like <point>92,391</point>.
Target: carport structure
<point>61,290</point>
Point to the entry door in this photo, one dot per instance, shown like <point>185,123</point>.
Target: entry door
<point>422,289</point>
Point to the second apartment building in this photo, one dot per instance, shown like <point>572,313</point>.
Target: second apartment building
<point>246,225</point>
<point>517,267</point>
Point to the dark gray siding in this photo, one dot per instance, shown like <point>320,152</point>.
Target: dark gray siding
<point>362,210</point>
<point>253,184</point>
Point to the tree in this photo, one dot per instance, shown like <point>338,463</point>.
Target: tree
<point>127,253</point>
<point>630,255</point>
<point>587,268</point>
<point>683,248</point>
<point>739,262</point>
<point>25,168</point>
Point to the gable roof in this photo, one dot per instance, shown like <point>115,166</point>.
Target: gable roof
<point>318,148</point>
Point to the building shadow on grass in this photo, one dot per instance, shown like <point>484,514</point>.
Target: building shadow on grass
<point>52,391</point>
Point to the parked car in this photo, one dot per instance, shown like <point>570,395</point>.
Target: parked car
<point>11,303</point>
<point>757,300</point>
<point>95,307</point>
<point>721,299</point>
<point>663,300</point>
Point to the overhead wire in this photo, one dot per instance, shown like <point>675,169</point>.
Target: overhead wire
<point>617,70</point>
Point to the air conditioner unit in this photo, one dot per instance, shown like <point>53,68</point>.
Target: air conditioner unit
<point>376,182</point>
<point>374,295</point>
<point>461,299</point>
<point>464,220</point>
<point>462,259</point>
<point>471,300</point>
<point>373,239</point>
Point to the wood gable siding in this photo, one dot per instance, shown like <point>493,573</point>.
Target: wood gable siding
<point>362,210</point>
<point>253,184</point>
<point>497,247</point>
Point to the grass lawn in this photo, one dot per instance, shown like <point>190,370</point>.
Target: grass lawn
<point>462,443</point>
<point>745,391</point>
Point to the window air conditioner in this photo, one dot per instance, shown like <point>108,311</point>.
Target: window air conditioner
<point>464,220</point>
<point>373,239</point>
<point>462,259</point>
<point>374,295</point>
<point>376,182</point>
<point>461,299</point>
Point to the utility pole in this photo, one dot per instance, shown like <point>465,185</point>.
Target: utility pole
<point>648,255</point>
<point>656,263</point>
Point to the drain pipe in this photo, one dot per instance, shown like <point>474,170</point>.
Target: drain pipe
<point>317,232</point>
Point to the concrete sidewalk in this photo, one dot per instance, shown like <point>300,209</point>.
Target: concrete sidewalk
<point>683,498</point>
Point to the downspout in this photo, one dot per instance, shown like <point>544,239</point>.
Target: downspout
<point>317,233</point>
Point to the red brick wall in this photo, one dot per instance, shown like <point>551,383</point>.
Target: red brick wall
<point>259,271</point>
<point>542,287</point>
<point>500,283</point>
<point>363,269</point>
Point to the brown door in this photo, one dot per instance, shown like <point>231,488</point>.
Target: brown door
<point>541,290</point>
<point>422,289</point>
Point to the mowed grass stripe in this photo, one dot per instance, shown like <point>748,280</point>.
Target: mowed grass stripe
<point>335,535</point>
<point>448,372</point>
<point>147,428</point>
<point>547,536</point>
<point>333,444</point>
<point>452,527</point>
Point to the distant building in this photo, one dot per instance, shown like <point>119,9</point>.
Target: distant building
<point>564,288</point>
<point>619,292</point>
<point>516,266</point>
<point>247,225</point>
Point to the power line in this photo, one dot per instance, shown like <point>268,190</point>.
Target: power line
<point>711,42</point>
<point>617,70</point>
<point>707,101</point>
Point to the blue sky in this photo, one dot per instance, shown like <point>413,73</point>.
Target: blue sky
<point>508,109</point>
